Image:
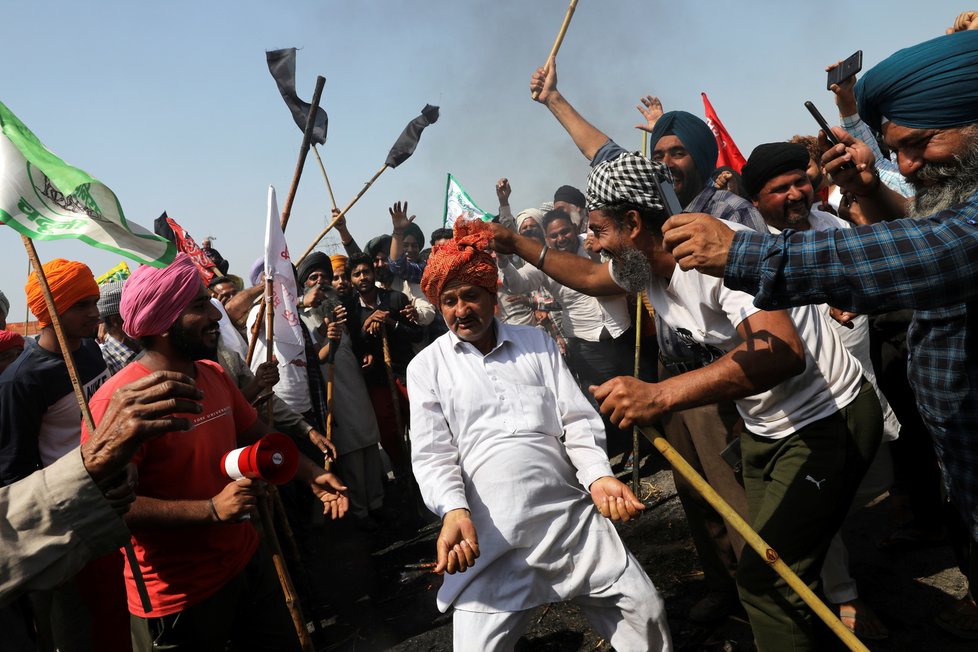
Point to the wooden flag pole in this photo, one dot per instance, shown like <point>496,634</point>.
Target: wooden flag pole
<point>639,309</point>
<point>287,207</point>
<point>330,378</point>
<point>323,233</point>
<point>303,148</point>
<point>753,539</point>
<point>560,38</point>
<point>269,342</point>
<point>322,169</point>
<point>69,359</point>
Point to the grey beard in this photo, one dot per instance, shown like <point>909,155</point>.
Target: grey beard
<point>632,269</point>
<point>952,183</point>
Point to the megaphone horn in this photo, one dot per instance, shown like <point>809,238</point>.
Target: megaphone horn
<point>273,458</point>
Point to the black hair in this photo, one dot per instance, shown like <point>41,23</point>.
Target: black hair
<point>359,258</point>
<point>554,215</point>
<point>217,280</point>
<point>441,234</point>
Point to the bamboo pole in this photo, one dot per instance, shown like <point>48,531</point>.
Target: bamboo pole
<point>560,38</point>
<point>322,168</point>
<point>269,343</point>
<point>287,207</point>
<point>639,309</point>
<point>137,575</point>
<point>330,378</point>
<point>342,213</point>
<point>766,552</point>
<point>288,588</point>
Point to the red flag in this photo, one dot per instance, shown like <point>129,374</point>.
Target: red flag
<point>186,244</point>
<point>728,155</point>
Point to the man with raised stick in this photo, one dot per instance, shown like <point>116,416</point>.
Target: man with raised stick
<point>509,472</point>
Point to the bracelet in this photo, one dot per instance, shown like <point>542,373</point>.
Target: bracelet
<point>214,511</point>
<point>543,254</point>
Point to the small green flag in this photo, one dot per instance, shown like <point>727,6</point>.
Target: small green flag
<point>44,198</point>
<point>458,205</point>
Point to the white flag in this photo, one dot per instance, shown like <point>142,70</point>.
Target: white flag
<point>289,344</point>
<point>459,206</point>
<point>44,198</point>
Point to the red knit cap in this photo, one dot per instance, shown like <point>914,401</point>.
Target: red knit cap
<point>462,259</point>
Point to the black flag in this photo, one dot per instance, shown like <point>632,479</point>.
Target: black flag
<point>162,228</point>
<point>281,63</point>
<point>408,140</point>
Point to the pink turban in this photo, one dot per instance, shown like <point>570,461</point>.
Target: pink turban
<point>10,340</point>
<point>153,299</point>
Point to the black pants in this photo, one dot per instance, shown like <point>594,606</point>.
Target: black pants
<point>597,362</point>
<point>249,610</point>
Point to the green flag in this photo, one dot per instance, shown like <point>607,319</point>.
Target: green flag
<point>44,198</point>
<point>458,205</point>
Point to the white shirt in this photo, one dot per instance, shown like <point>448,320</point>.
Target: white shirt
<point>584,317</point>
<point>510,437</point>
<point>855,339</point>
<point>293,375</point>
<point>709,312</point>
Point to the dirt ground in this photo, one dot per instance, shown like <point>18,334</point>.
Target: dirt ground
<point>367,593</point>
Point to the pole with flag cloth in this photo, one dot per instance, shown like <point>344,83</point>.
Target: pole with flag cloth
<point>403,148</point>
<point>560,38</point>
<point>44,198</point>
<point>281,64</point>
<point>181,237</point>
<point>459,206</point>
<point>307,136</point>
<point>729,155</point>
<point>284,340</point>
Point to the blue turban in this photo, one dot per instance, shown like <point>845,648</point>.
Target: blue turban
<point>932,85</point>
<point>696,136</point>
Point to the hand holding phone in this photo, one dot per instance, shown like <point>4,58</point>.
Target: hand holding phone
<point>826,129</point>
<point>845,70</point>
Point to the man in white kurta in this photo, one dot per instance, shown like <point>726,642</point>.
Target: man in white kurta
<point>505,449</point>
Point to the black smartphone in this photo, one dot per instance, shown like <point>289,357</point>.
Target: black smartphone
<point>845,70</point>
<point>822,123</point>
<point>670,201</point>
<point>827,130</point>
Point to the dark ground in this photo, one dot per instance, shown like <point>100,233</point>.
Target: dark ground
<point>368,598</point>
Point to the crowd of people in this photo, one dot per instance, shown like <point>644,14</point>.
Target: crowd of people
<point>807,345</point>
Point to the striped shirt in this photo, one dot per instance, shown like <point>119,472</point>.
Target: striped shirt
<point>930,265</point>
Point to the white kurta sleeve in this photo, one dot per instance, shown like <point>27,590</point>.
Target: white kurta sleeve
<point>584,435</point>
<point>434,455</point>
<point>523,280</point>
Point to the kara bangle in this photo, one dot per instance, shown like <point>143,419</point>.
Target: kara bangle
<point>214,512</point>
<point>543,254</point>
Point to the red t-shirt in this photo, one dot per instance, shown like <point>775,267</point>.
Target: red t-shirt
<point>185,565</point>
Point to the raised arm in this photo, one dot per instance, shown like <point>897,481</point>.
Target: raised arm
<point>576,272</point>
<point>586,136</point>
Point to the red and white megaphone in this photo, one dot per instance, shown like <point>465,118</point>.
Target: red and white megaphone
<point>273,458</point>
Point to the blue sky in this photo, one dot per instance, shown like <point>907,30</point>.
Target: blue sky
<point>171,104</point>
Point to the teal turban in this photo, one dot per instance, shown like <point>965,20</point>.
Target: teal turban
<point>696,136</point>
<point>932,85</point>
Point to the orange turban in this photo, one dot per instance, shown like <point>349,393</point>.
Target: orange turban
<point>462,259</point>
<point>338,262</point>
<point>70,282</point>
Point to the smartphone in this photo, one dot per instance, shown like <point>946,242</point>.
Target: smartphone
<point>822,123</point>
<point>827,130</point>
<point>670,201</point>
<point>845,70</point>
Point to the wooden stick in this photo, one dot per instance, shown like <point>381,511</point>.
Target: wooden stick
<point>766,552</point>
<point>270,342</point>
<point>137,575</point>
<point>645,144</point>
<point>330,378</point>
<point>287,208</point>
<point>303,148</point>
<point>395,399</point>
<point>336,219</point>
<point>322,169</point>
<point>288,588</point>
<point>559,40</point>
<point>639,309</point>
